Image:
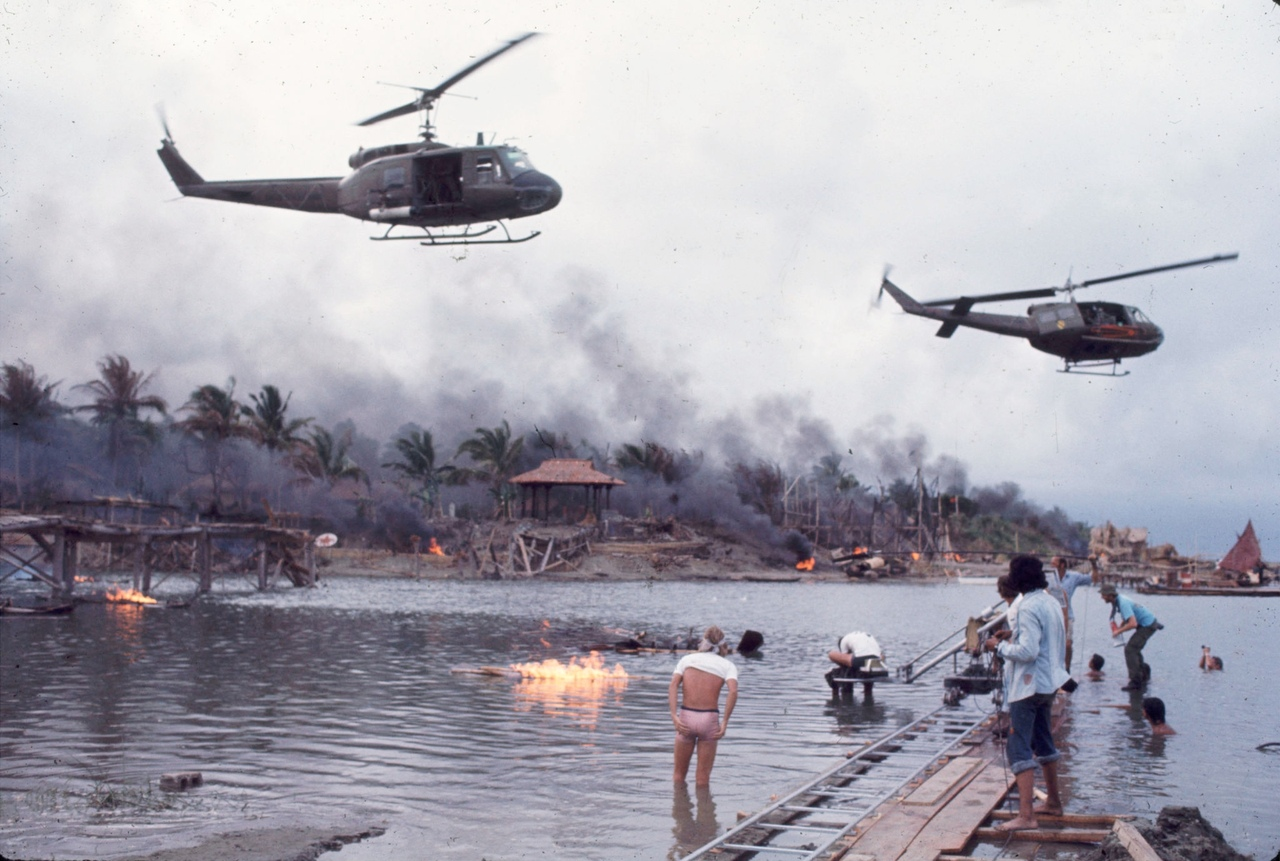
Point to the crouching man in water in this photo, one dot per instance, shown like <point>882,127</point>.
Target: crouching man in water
<point>860,652</point>
<point>697,720</point>
<point>1035,667</point>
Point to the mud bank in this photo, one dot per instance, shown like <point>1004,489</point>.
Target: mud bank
<point>1178,834</point>
<point>286,843</point>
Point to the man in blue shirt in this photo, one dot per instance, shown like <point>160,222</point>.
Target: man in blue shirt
<point>1067,583</point>
<point>1035,667</point>
<point>1140,620</point>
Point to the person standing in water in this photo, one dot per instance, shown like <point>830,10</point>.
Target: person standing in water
<point>1035,668</point>
<point>693,699</point>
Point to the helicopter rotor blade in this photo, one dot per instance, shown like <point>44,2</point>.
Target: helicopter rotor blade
<point>994,297</point>
<point>1217,258</point>
<point>410,108</point>
<point>429,95</point>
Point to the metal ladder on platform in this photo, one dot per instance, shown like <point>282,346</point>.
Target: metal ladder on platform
<point>808,821</point>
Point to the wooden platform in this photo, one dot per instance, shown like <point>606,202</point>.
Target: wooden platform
<point>47,547</point>
<point>950,814</point>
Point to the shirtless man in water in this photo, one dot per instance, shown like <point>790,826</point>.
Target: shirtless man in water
<point>697,720</point>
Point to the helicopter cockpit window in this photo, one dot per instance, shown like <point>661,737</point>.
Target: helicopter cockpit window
<point>516,161</point>
<point>393,177</point>
<point>1137,316</point>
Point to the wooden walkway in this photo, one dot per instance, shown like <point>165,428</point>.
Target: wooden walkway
<point>947,810</point>
<point>951,814</point>
<point>48,548</point>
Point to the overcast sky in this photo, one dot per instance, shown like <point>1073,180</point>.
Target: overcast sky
<point>736,175</point>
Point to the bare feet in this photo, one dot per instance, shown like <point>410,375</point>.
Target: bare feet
<point>1020,823</point>
<point>1049,810</point>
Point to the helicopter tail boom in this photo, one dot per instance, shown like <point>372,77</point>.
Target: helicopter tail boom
<point>318,194</point>
<point>180,172</point>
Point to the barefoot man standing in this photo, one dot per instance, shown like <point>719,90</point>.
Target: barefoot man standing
<point>1035,662</point>
<point>697,720</point>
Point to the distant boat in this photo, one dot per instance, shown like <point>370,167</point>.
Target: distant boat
<point>1245,558</point>
<point>1239,573</point>
<point>42,610</point>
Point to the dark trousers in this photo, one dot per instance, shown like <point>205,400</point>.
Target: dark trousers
<point>1133,652</point>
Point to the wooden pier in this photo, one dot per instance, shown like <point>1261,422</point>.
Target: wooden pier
<point>48,547</point>
<point>884,805</point>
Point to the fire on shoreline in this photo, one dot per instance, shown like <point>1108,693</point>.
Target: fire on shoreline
<point>128,596</point>
<point>433,547</point>
<point>806,564</point>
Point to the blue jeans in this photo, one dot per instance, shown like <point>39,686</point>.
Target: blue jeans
<point>1030,738</point>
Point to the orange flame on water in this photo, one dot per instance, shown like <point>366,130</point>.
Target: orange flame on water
<point>577,691</point>
<point>806,564</point>
<point>129,596</point>
<point>588,669</point>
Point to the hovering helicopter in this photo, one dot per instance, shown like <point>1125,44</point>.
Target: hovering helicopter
<point>1082,334</point>
<point>426,184</point>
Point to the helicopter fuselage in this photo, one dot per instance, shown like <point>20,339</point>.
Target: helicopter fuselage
<point>416,185</point>
<point>1077,332</point>
<point>1092,331</point>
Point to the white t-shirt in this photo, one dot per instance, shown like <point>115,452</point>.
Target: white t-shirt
<point>708,662</point>
<point>860,645</point>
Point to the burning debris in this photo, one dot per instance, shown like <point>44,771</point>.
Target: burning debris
<point>116,595</point>
<point>802,547</point>
<point>590,668</point>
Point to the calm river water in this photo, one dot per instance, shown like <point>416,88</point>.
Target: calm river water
<point>337,705</point>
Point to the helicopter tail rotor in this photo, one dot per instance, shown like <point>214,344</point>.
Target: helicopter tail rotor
<point>164,121</point>
<point>884,279</point>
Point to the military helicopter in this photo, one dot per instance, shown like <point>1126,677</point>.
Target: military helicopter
<point>426,184</point>
<point>1082,334</point>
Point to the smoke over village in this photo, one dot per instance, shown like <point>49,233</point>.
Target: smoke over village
<point>378,465</point>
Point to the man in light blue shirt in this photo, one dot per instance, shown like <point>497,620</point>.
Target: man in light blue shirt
<point>1035,668</point>
<point>1140,620</point>
<point>1066,584</point>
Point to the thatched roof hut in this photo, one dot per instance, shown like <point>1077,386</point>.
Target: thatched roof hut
<point>561,472</point>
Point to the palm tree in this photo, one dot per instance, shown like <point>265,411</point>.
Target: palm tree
<point>418,463</point>
<point>213,420</point>
<point>658,460</point>
<point>325,458</point>
<point>118,403</point>
<point>496,454</point>
<point>271,429</point>
<point>26,402</point>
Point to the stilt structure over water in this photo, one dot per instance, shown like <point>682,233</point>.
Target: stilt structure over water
<point>47,547</point>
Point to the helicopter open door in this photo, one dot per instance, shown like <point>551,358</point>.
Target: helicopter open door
<point>437,179</point>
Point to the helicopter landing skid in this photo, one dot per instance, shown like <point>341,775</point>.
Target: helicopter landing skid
<point>1114,364</point>
<point>468,236</point>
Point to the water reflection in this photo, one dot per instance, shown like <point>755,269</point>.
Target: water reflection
<point>850,715</point>
<point>301,703</point>
<point>693,828</point>
<point>580,701</point>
